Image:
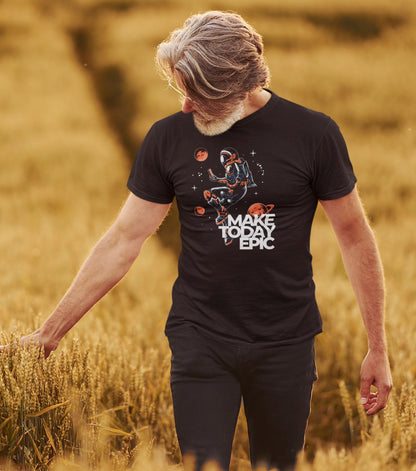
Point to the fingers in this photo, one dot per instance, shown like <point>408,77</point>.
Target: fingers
<point>373,402</point>
<point>365,391</point>
<point>5,349</point>
<point>25,343</point>
<point>368,402</point>
<point>378,400</point>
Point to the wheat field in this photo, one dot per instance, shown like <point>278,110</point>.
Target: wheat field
<point>78,91</point>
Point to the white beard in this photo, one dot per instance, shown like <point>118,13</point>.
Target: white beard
<point>213,126</point>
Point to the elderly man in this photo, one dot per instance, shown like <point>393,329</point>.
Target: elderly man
<point>244,315</point>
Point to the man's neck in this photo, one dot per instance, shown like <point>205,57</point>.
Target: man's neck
<point>255,100</point>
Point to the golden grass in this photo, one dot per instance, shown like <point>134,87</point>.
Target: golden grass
<point>102,400</point>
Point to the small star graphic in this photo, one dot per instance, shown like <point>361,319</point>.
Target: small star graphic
<point>194,187</point>
<point>253,153</point>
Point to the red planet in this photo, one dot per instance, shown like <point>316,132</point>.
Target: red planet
<point>201,154</point>
<point>199,210</point>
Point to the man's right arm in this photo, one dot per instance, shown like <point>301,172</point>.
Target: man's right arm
<point>108,262</point>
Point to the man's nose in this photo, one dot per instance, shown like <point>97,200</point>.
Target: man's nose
<point>187,106</point>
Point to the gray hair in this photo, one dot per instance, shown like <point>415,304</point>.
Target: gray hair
<point>217,55</point>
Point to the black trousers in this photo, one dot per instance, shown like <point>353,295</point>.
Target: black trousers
<point>210,377</point>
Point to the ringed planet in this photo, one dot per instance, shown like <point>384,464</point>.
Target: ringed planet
<point>259,209</point>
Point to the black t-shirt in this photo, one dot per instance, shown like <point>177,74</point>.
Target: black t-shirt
<point>246,202</point>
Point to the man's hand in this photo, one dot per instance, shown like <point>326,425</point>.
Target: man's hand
<point>36,338</point>
<point>375,371</point>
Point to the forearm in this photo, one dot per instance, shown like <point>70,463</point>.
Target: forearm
<point>364,268</point>
<point>107,263</point>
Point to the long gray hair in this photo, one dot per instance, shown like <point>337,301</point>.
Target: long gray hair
<point>217,56</point>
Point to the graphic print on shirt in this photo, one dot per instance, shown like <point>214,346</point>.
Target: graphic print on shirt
<point>254,229</point>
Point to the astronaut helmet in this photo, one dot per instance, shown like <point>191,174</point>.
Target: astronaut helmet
<point>228,156</point>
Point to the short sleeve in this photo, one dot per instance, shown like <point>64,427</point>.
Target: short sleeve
<point>148,177</point>
<point>333,172</point>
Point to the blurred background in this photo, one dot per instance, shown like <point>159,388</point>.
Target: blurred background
<point>78,92</point>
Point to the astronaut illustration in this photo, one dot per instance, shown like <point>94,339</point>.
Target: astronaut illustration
<point>235,182</point>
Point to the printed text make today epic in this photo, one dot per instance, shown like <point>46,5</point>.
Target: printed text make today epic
<point>253,231</point>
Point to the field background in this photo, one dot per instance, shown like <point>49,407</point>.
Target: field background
<point>78,92</point>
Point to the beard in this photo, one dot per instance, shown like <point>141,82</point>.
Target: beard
<point>212,126</point>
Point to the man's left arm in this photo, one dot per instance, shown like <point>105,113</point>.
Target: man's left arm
<point>363,265</point>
